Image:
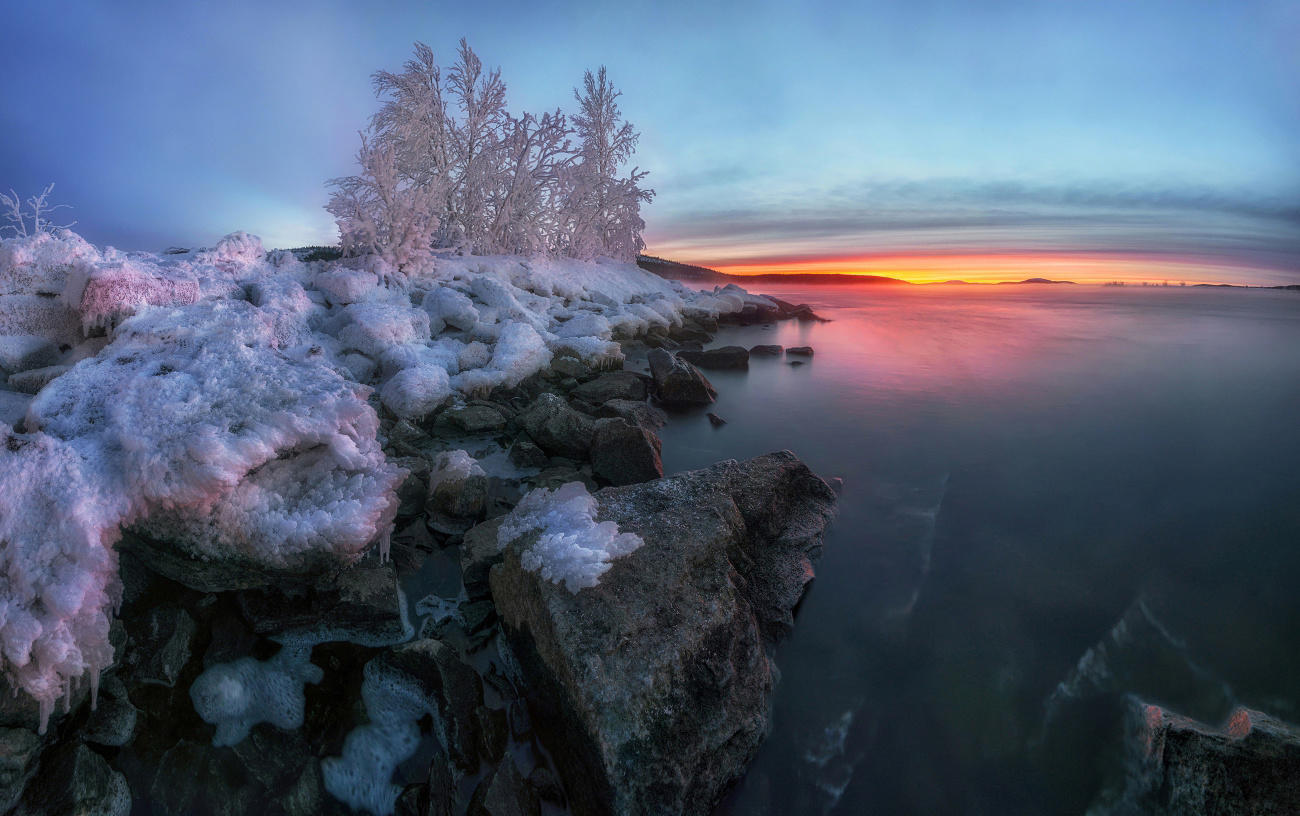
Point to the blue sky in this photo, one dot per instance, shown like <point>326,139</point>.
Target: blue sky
<point>774,132</point>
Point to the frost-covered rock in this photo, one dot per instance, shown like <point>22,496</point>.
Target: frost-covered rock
<point>344,284</point>
<point>59,523</point>
<point>457,491</point>
<point>22,352</point>
<point>448,307</point>
<point>38,264</point>
<point>104,293</point>
<point>653,684</point>
<point>416,392</point>
<point>41,316</point>
<point>376,325</point>
<point>236,250</point>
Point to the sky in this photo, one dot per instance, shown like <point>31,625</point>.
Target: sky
<point>927,140</point>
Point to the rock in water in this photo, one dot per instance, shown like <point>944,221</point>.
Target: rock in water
<point>654,685</point>
<point>727,357</point>
<point>678,384</point>
<point>803,351</point>
<point>766,351</point>
<point>1177,765</point>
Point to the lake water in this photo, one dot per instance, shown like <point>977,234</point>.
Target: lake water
<point>1023,466</point>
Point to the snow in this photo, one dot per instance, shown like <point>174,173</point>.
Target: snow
<point>243,425</point>
<point>238,695</point>
<point>453,466</point>
<point>415,392</point>
<point>21,352</point>
<point>58,571</point>
<point>571,547</point>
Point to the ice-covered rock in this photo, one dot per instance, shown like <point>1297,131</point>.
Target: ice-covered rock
<point>38,264</point>
<point>376,325</point>
<point>344,284</point>
<point>102,293</point>
<point>416,392</point>
<point>449,307</point>
<point>22,352</point>
<point>653,683</point>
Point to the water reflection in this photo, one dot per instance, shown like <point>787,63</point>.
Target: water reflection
<point>1032,475</point>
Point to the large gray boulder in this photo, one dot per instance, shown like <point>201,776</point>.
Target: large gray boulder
<point>556,428</point>
<point>1250,766</point>
<point>653,686</point>
<point>677,383</point>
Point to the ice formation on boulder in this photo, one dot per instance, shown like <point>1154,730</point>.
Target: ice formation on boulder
<point>571,547</point>
<point>415,392</point>
<point>238,695</point>
<point>58,571</point>
<point>104,293</point>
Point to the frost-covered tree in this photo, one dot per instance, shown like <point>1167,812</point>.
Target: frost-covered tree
<point>443,155</point>
<point>382,211</point>
<point>603,211</point>
<point>27,218</point>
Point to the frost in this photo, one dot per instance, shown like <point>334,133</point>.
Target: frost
<point>520,352</point>
<point>58,571</point>
<point>236,250</point>
<point>571,547</point>
<point>237,696</point>
<point>416,392</point>
<point>447,307</point>
<point>375,326</point>
<point>343,284</point>
<point>39,264</point>
<point>104,293</point>
<point>453,466</point>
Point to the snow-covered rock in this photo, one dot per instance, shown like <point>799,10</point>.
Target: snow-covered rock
<point>22,352</point>
<point>105,293</point>
<point>416,392</point>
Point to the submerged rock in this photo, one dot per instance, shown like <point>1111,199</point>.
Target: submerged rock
<point>727,357</point>
<point>715,420</point>
<point>765,351</point>
<point>505,793</point>
<point>802,351</point>
<point>678,384</point>
<point>653,686</point>
<point>76,781</point>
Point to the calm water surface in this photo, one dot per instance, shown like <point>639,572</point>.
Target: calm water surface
<point>1023,467</point>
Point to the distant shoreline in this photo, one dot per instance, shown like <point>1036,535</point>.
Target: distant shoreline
<point>689,273</point>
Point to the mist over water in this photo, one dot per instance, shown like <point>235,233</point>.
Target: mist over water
<point>1024,467</point>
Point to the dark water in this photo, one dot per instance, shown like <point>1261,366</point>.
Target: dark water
<point>1023,468</point>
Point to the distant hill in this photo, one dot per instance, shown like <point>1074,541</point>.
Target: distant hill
<point>1035,280</point>
<point>687,273</point>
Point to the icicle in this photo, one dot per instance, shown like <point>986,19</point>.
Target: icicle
<point>94,687</point>
<point>385,541</point>
<point>67,696</point>
<point>46,706</point>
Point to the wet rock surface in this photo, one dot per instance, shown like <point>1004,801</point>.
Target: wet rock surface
<point>623,453</point>
<point>725,358</point>
<point>677,383</point>
<point>727,555</point>
<point>1248,766</point>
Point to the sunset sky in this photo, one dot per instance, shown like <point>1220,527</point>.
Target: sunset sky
<point>926,140</point>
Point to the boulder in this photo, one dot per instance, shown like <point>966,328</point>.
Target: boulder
<point>76,781</point>
<point>620,385</point>
<point>451,685</point>
<point>475,418</point>
<point>19,749</point>
<point>765,351</point>
<point>557,428</point>
<point>34,379</point>
<point>161,643</point>
<point>23,352</point>
<point>1177,765</point>
<point>677,383</point>
<point>505,793</point>
<point>478,554</point>
<point>570,367</point>
<point>802,351</point>
<point>637,412</point>
<point>458,491</point>
<point>360,605</point>
<point>725,358</point>
<point>623,453</point>
<point>653,687</point>
<point>525,454</point>
<point>715,420</point>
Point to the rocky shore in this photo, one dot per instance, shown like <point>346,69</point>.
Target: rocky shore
<point>449,668</point>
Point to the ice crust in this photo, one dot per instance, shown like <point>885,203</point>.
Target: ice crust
<point>224,400</point>
<point>570,547</point>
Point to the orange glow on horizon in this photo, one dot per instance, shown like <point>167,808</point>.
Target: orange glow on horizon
<point>993,267</point>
